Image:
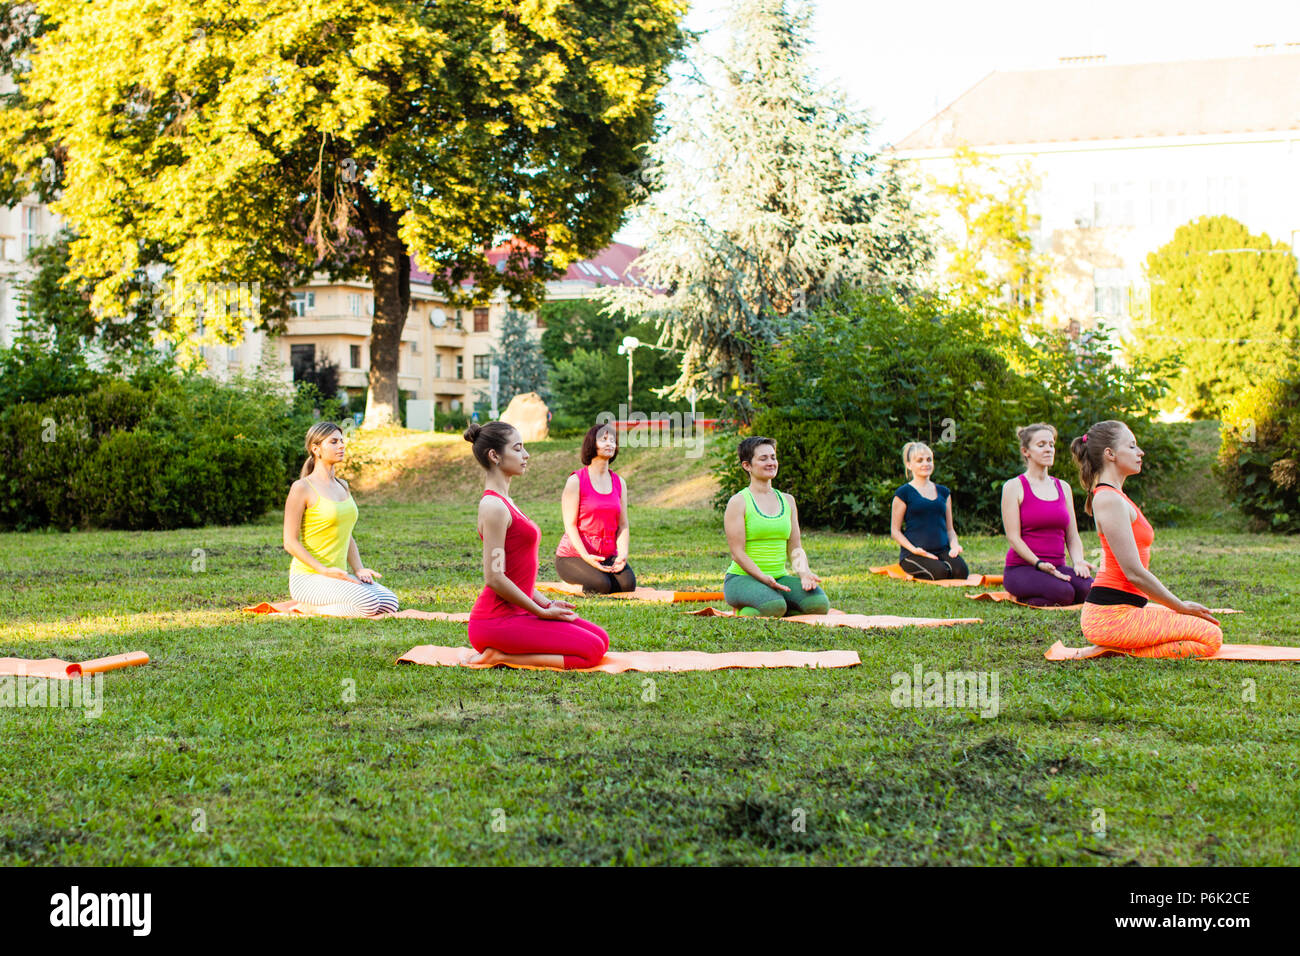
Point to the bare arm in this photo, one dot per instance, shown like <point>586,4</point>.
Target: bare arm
<point>493,520</point>
<point>624,544</point>
<point>733,522</point>
<point>896,514</point>
<point>794,548</point>
<point>954,546</point>
<point>569,502</point>
<point>1011,500</point>
<point>1073,542</point>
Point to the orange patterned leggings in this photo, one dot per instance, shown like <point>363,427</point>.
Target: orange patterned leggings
<point>1150,631</point>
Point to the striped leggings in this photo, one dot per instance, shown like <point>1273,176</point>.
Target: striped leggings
<point>342,598</point>
<point>1150,631</point>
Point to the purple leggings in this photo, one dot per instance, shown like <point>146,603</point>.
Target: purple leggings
<point>1030,586</point>
<point>581,643</point>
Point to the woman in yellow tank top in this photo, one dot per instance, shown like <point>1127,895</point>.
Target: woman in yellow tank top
<point>319,516</point>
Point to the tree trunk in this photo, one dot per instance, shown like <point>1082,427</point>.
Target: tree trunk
<point>389,266</point>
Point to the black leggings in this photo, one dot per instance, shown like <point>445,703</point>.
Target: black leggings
<point>944,569</point>
<point>578,571</point>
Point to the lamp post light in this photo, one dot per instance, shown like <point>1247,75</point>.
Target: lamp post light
<point>630,344</point>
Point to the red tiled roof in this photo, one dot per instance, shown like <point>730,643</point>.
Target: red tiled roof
<point>609,266</point>
<point>1122,101</point>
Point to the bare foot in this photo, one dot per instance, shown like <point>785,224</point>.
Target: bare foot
<point>488,657</point>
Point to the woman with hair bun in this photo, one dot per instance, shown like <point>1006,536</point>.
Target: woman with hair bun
<point>319,516</point>
<point>1038,516</point>
<point>511,623</point>
<point>929,550</point>
<point>1117,613</point>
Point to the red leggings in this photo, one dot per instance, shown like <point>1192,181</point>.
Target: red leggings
<point>582,643</point>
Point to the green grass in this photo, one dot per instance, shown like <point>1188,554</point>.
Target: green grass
<point>247,719</point>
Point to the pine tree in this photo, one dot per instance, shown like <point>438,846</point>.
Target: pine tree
<point>519,361</point>
<point>764,200</point>
<point>1226,302</point>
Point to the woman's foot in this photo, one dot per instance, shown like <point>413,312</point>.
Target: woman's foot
<point>488,657</point>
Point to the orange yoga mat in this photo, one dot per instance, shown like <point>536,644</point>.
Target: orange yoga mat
<point>652,595</point>
<point>63,670</point>
<point>292,608</point>
<point>896,572</point>
<point>1226,652</point>
<point>834,618</point>
<point>616,662</point>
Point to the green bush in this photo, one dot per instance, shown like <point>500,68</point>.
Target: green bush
<point>180,453</point>
<point>1259,454</point>
<point>846,390</point>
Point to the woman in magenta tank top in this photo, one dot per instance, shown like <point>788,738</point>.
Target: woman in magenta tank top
<point>593,550</point>
<point>1038,515</point>
<point>511,623</point>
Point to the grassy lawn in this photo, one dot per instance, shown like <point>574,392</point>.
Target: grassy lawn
<point>300,741</point>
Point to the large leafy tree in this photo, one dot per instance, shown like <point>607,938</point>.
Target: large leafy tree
<point>1227,303</point>
<point>769,201</point>
<point>520,367</point>
<point>261,141</point>
<point>988,257</point>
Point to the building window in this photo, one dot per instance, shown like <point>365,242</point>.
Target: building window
<point>541,322</point>
<point>29,225</point>
<point>460,366</point>
<point>354,303</point>
<point>1110,293</point>
<point>300,303</point>
<point>480,320</point>
<point>303,359</point>
<point>482,364</point>
<point>437,366</point>
<point>370,305</point>
<point>354,355</point>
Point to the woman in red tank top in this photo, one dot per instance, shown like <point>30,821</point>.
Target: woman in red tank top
<point>593,549</point>
<point>1116,613</point>
<point>511,623</point>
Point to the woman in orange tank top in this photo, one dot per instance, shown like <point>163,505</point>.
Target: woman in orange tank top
<point>1117,613</point>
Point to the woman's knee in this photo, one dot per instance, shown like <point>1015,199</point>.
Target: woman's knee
<point>814,602</point>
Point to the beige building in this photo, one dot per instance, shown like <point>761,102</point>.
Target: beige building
<point>445,352</point>
<point>1125,154</point>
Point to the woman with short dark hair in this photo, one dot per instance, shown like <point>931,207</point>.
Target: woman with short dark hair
<point>593,549</point>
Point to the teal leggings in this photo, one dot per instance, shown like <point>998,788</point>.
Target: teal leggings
<point>752,597</point>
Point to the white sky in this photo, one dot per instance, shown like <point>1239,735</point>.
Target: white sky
<point>904,60</point>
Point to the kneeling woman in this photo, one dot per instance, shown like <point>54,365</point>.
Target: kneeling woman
<point>1117,613</point>
<point>929,549</point>
<point>762,526</point>
<point>593,548</point>
<point>511,623</point>
<point>319,516</point>
<point>1038,517</point>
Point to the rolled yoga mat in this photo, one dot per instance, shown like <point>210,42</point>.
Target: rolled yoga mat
<point>56,669</point>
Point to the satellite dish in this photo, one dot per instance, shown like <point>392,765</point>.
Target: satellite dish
<point>438,318</point>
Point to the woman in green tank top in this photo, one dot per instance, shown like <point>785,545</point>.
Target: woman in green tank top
<point>762,526</point>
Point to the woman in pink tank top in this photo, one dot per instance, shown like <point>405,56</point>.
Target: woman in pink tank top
<point>1038,516</point>
<point>593,550</point>
<point>511,622</point>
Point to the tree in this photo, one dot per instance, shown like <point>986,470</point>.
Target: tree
<point>769,202</point>
<point>520,368</point>
<point>1226,302</point>
<point>258,142</point>
<point>990,263</point>
<point>588,376</point>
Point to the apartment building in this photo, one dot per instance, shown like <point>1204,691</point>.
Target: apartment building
<point>22,228</point>
<point>1125,154</point>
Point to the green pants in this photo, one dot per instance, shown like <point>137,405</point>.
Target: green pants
<point>743,592</point>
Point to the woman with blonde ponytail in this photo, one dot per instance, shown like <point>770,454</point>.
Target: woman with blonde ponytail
<point>1117,613</point>
<point>319,516</point>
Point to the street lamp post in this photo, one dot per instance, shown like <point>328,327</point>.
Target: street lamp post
<point>630,344</point>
